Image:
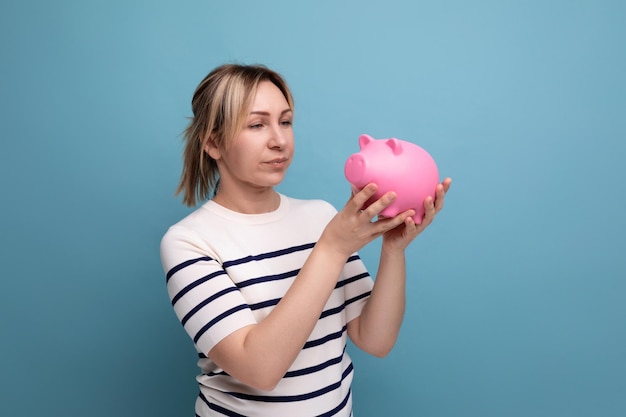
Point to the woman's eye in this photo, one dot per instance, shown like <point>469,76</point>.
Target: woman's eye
<point>286,122</point>
<point>255,126</point>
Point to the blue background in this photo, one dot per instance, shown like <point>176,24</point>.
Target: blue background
<point>516,295</point>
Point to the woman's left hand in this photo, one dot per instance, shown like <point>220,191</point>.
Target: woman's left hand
<point>400,237</point>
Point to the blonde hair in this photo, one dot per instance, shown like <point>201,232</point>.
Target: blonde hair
<point>220,105</point>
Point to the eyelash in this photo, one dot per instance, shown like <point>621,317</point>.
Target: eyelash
<point>259,125</point>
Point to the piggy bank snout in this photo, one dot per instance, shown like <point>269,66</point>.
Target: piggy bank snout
<point>355,170</point>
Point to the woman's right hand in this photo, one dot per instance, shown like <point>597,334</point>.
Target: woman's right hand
<point>355,225</point>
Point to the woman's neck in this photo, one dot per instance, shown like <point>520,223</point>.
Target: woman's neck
<point>249,203</point>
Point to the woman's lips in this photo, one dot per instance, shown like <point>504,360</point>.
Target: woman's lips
<point>278,162</point>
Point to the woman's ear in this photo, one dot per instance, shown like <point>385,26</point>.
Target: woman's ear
<point>212,150</point>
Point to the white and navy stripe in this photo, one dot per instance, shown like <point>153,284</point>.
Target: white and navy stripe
<point>224,273</point>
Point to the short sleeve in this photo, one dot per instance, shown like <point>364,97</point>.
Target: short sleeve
<point>205,299</point>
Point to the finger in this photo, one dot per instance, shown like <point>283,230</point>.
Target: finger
<point>407,215</point>
<point>440,195</point>
<point>353,191</point>
<point>410,225</point>
<point>379,205</point>
<point>384,224</point>
<point>441,191</point>
<point>429,211</point>
<point>361,197</point>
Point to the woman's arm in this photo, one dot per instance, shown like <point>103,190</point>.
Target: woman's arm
<point>376,330</point>
<point>259,355</point>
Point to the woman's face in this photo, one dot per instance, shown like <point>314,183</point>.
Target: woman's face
<point>260,155</point>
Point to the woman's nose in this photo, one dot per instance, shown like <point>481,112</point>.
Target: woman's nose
<point>278,137</point>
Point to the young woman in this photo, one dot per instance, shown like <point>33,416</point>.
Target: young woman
<point>270,287</point>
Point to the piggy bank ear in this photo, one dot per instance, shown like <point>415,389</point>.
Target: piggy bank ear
<point>364,140</point>
<point>395,145</point>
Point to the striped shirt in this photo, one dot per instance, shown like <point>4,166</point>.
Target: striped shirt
<point>227,270</point>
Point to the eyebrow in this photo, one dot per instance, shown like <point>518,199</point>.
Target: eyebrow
<point>264,113</point>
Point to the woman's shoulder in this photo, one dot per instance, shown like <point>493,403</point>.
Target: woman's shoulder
<point>190,219</point>
<point>186,227</point>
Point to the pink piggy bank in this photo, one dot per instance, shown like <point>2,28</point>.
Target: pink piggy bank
<point>394,165</point>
